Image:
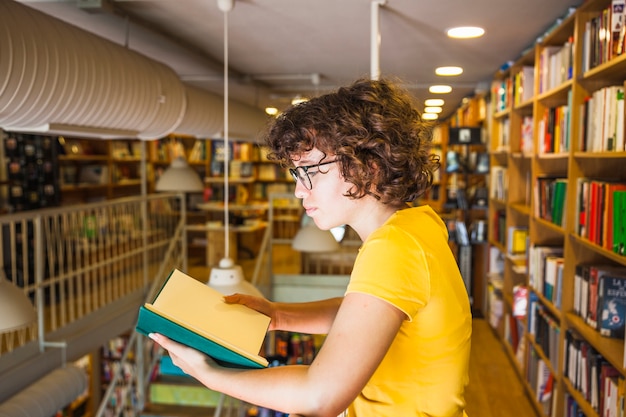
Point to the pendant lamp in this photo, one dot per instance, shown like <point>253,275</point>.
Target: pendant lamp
<point>16,310</point>
<point>179,176</point>
<point>311,238</point>
<point>227,277</point>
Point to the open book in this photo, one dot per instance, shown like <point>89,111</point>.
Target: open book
<point>190,312</point>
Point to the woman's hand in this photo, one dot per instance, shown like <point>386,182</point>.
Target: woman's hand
<point>190,360</point>
<point>260,304</point>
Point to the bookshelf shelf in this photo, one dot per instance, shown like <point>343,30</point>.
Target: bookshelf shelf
<point>521,208</point>
<point>580,399</point>
<point>597,250</point>
<point>220,180</point>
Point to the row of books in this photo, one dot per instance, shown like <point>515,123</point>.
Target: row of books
<point>545,271</point>
<point>524,83</point>
<point>600,297</point>
<point>545,329</point>
<point>592,375</point>
<point>555,65</point>
<point>550,199</point>
<point>243,151</point>
<point>207,149</point>
<point>601,213</point>
<point>554,129</point>
<point>613,400</point>
<point>503,134</point>
<point>602,118</point>
<point>236,169</point>
<point>499,183</point>
<point>541,381</point>
<point>502,91</point>
<point>603,37</point>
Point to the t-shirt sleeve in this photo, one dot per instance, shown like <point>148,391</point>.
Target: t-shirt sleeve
<point>393,266</point>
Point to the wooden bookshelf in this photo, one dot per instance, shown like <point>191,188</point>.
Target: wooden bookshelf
<point>521,154</point>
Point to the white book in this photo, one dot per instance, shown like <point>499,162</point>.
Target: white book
<point>619,126</point>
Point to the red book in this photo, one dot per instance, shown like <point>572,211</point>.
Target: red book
<point>607,241</point>
<point>592,221</point>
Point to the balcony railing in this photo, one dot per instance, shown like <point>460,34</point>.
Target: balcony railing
<point>73,262</point>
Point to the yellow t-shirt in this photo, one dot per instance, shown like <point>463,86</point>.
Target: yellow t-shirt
<point>408,263</point>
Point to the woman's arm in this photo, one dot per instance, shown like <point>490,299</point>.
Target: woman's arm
<point>314,317</point>
<point>340,370</point>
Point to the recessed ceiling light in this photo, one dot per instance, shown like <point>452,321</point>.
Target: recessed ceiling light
<point>434,102</point>
<point>272,111</point>
<point>432,109</point>
<point>439,89</point>
<point>430,116</point>
<point>449,71</point>
<point>466,32</point>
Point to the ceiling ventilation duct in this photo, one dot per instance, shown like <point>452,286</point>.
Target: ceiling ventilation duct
<point>197,120</point>
<point>60,79</point>
<point>48,395</point>
<point>245,122</point>
<point>204,117</point>
<point>54,76</point>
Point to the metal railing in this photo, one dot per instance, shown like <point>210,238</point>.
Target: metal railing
<point>73,261</point>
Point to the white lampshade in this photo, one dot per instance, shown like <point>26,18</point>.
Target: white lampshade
<point>311,238</point>
<point>16,310</point>
<point>227,278</point>
<point>179,176</point>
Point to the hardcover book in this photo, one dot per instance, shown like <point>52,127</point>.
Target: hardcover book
<point>612,305</point>
<point>192,313</point>
<point>596,274</point>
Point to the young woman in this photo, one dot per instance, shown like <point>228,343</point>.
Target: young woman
<point>398,342</point>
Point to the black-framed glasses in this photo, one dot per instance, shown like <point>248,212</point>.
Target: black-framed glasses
<point>303,175</point>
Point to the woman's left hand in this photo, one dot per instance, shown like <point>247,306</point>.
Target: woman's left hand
<point>190,360</point>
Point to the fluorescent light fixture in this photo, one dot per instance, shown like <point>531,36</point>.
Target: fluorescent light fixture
<point>432,109</point>
<point>434,102</point>
<point>430,116</point>
<point>439,89</point>
<point>449,71</point>
<point>466,32</point>
<point>272,111</point>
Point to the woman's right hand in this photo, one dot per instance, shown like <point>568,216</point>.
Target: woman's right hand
<point>260,304</point>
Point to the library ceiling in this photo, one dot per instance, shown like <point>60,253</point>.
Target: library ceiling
<point>282,49</point>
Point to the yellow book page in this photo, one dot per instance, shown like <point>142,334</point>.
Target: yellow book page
<point>193,304</point>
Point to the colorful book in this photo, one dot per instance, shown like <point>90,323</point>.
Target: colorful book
<point>609,196</point>
<point>192,313</point>
<point>558,201</point>
<point>612,305</point>
<point>551,272</point>
<point>596,274</point>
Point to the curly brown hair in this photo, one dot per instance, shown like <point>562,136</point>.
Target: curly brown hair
<point>373,129</point>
